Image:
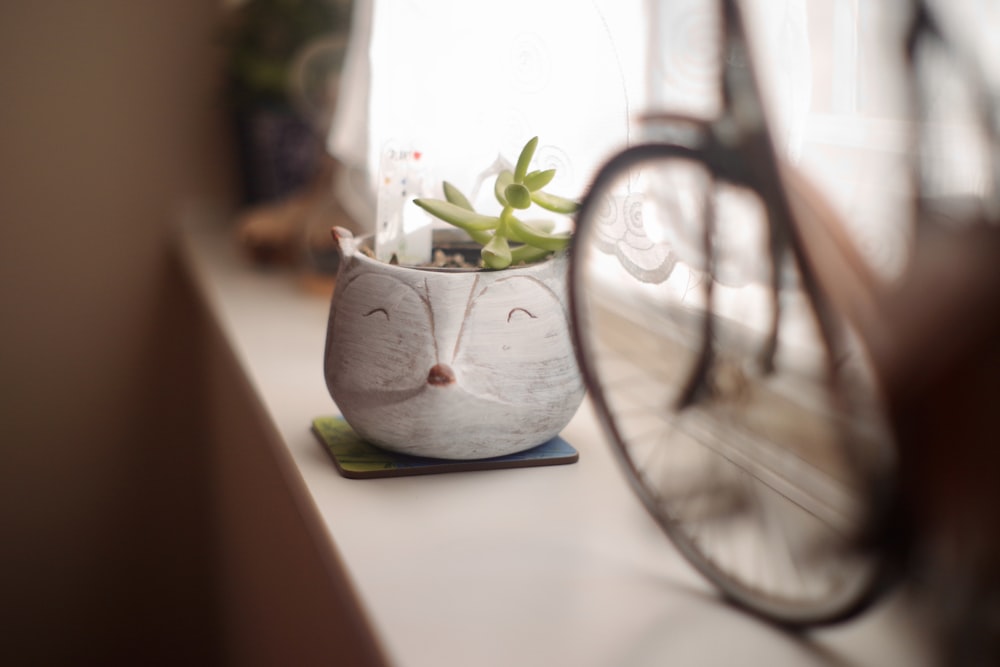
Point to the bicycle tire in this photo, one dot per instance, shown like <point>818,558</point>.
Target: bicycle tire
<point>866,576</point>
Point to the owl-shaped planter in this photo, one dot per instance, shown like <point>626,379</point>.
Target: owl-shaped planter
<point>453,364</point>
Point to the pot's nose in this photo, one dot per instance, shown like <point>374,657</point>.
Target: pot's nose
<point>440,375</point>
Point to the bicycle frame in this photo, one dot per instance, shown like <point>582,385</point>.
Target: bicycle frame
<point>736,147</point>
<point>841,287</point>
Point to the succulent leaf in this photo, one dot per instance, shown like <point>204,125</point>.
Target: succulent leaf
<point>456,215</point>
<point>517,195</point>
<point>555,203</point>
<point>534,237</point>
<point>482,238</point>
<point>538,179</point>
<point>524,159</point>
<point>543,225</point>
<point>504,178</point>
<point>496,254</point>
<point>455,196</point>
<point>526,254</point>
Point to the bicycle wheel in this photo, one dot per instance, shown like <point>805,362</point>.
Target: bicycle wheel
<point>746,469</point>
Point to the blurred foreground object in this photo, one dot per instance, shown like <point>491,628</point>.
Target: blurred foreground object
<point>941,374</point>
<point>942,385</point>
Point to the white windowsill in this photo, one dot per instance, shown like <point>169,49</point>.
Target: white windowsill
<point>540,566</point>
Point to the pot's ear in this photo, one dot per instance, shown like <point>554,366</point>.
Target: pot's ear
<point>344,242</point>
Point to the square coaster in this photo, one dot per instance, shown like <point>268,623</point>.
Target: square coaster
<point>358,459</point>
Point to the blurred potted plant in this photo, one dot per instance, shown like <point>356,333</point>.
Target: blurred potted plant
<point>272,66</point>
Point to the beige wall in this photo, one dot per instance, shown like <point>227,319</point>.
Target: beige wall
<point>109,116</point>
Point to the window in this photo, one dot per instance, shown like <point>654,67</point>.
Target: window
<point>439,89</point>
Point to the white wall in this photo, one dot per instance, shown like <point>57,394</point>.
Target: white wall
<point>109,115</point>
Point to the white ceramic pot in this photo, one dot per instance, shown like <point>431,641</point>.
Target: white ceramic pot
<point>460,364</point>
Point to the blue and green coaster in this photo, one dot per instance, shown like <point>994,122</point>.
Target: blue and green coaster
<point>358,459</point>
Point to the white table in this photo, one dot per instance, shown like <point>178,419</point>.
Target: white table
<point>540,566</point>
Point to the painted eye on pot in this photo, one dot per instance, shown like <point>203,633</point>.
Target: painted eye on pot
<point>519,314</point>
<point>378,310</point>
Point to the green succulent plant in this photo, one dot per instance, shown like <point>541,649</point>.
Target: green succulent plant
<point>507,239</point>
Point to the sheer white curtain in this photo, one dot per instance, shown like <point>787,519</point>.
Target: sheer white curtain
<point>442,89</point>
<point>439,89</point>
<point>461,82</point>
